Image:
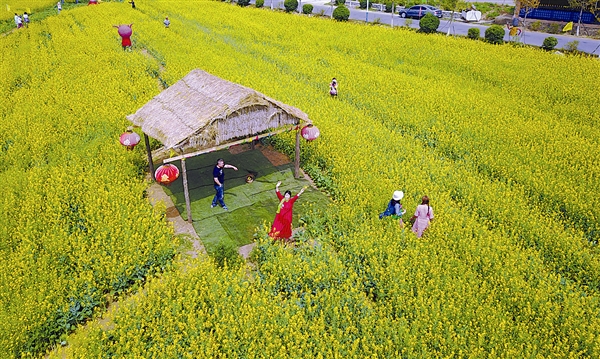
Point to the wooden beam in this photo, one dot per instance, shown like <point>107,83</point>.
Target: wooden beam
<point>150,162</point>
<point>220,147</point>
<point>297,155</point>
<point>186,193</point>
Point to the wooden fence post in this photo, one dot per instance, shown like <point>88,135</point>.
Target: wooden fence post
<point>186,193</point>
<point>150,163</point>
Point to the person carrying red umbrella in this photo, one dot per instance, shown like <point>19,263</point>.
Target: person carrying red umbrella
<point>125,32</point>
<point>282,225</point>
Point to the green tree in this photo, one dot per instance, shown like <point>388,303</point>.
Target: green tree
<point>528,6</point>
<point>452,5</point>
<point>585,5</point>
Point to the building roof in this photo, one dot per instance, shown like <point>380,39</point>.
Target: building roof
<point>202,111</point>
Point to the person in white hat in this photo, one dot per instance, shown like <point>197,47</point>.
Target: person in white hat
<point>333,91</point>
<point>394,208</point>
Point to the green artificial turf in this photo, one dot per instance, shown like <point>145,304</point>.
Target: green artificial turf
<point>250,204</point>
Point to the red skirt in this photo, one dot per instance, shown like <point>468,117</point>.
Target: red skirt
<point>281,229</point>
<point>126,42</point>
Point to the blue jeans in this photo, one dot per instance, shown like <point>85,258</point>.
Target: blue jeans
<point>218,196</point>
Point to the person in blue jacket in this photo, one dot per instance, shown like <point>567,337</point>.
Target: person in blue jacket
<point>394,208</point>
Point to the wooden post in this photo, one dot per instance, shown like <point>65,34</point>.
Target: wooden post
<point>297,156</point>
<point>186,193</point>
<point>150,163</point>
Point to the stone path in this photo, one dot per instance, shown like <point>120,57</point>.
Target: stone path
<point>245,251</point>
<point>156,194</point>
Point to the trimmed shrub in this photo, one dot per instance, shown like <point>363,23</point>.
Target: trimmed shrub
<point>259,3</point>
<point>554,28</point>
<point>494,34</point>
<point>307,9</point>
<point>474,33</point>
<point>290,5</point>
<point>536,25</point>
<point>429,23</point>
<point>341,13</point>
<point>243,2</point>
<point>339,2</point>
<point>549,43</point>
<point>363,4</point>
<point>572,45</point>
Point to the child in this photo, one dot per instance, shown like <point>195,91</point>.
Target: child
<point>26,19</point>
<point>423,215</point>
<point>394,208</point>
<point>18,21</point>
<point>333,88</point>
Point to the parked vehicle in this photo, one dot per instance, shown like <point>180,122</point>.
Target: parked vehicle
<point>418,11</point>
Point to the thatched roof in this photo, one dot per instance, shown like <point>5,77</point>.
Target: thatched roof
<point>202,110</point>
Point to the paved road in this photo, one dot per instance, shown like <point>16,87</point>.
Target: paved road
<point>588,45</point>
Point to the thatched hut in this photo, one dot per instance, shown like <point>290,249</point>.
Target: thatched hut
<point>202,113</point>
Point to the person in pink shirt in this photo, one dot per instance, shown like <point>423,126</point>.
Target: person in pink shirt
<point>423,215</point>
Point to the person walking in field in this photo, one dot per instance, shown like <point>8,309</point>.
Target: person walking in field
<point>219,180</point>
<point>125,31</point>
<point>394,208</point>
<point>18,21</point>
<point>167,22</point>
<point>282,224</point>
<point>58,7</point>
<point>26,19</point>
<point>333,91</point>
<point>132,4</point>
<point>423,216</point>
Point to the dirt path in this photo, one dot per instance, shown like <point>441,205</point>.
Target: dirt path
<point>156,194</point>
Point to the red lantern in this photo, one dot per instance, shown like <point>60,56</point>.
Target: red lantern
<point>129,139</point>
<point>166,174</point>
<point>310,132</point>
<point>93,2</point>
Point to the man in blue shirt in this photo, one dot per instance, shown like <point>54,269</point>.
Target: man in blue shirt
<point>219,179</point>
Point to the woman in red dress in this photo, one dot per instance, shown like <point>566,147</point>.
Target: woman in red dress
<point>282,225</point>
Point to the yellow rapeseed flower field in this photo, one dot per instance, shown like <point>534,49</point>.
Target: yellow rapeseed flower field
<point>504,141</point>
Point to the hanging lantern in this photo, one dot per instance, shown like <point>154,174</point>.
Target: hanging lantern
<point>166,174</point>
<point>310,132</point>
<point>129,139</point>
